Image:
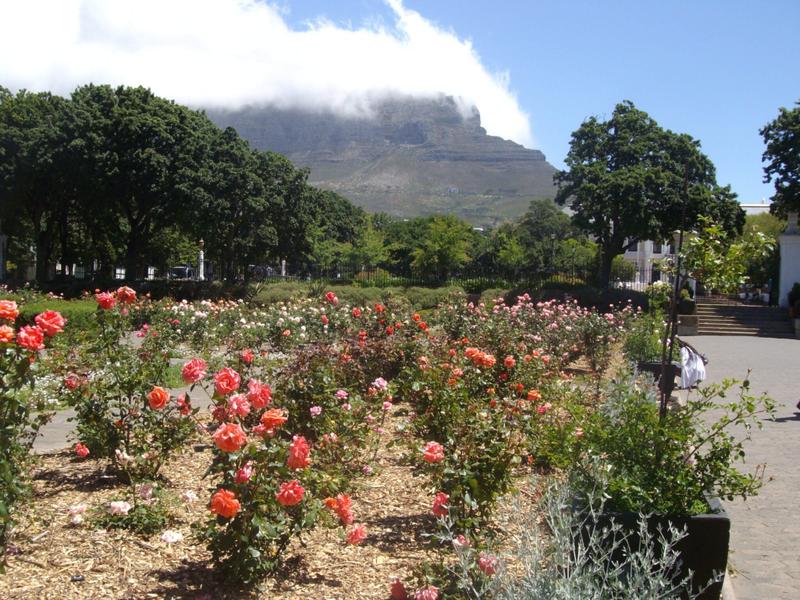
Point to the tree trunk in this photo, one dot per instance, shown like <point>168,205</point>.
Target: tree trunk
<point>604,270</point>
<point>132,257</point>
<point>43,253</point>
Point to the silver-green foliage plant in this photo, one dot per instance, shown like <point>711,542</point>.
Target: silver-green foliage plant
<point>578,560</point>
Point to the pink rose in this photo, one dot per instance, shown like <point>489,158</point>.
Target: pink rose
<point>194,370</point>
<point>51,322</point>
<point>433,452</point>
<point>226,381</point>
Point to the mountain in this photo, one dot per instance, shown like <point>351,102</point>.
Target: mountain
<point>411,157</point>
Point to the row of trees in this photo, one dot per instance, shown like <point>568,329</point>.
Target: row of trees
<point>121,176</point>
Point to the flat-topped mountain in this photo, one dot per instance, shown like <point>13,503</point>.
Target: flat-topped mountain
<point>410,157</point>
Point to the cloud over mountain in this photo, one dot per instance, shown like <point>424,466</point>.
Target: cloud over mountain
<point>231,53</point>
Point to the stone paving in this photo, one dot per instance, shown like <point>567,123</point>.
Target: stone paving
<point>765,530</point>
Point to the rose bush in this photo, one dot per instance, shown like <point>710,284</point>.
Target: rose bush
<point>123,411</point>
<point>20,419</point>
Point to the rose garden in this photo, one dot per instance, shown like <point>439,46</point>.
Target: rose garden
<point>326,448</point>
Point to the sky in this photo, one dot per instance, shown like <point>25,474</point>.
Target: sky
<point>716,69</point>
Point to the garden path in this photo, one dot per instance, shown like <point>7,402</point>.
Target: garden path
<point>765,530</point>
<point>55,435</point>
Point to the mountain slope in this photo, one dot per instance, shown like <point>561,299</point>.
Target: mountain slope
<point>411,157</point>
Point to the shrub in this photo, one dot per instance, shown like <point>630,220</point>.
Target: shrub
<point>79,313</point>
<point>268,491</point>
<point>667,465</point>
<point>567,565</point>
<point>122,411</point>
<point>20,423</point>
<point>643,339</point>
<point>273,293</point>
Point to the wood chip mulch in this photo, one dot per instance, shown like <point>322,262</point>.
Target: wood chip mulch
<point>49,558</point>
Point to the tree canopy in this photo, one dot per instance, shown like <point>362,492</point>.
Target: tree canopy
<point>122,177</point>
<point>627,180</point>
<point>782,158</point>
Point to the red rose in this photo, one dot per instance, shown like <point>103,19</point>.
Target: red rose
<point>272,419</point>
<point>290,493</point>
<point>226,381</point>
<point>6,334</point>
<point>229,437</point>
<point>31,337</point>
<point>356,312</point>
<point>298,453</point>
<point>398,591</point>
<point>246,356</point>
<point>126,295</point>
<point>433,452</point>
<point>357,534</point>
<point>81,450</point>
<point>509,362</point>
<point>225,504</point>
<point>331,297</point>
<point>158,398</point>
<point>440,507</point>
<point>105,300</point>
<point>8,310</point>
<point>488,563</point>
<point>324,320</point>
<point>72,381</point>
<point>194,370</point>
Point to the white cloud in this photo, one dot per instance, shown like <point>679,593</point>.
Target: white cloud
<point>228,53</point>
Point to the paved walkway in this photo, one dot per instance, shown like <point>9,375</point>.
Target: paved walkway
<point>56,434</point>
<point>765,530</point>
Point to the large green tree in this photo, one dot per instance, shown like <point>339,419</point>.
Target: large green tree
<point>141,155</point>
<point>627,180</point>
<point>782,158</point>
<point>37,190</point>
<point>444,247</point>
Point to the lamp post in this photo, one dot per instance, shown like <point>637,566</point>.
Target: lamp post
<point>201,263</point>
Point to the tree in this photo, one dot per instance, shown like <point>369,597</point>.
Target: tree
<point>140,152</point>
<point>542,231</point>
<point>35,184</point>
<point>782,137</point>
<point>443,248</point>
<point>235,207</point>
<point>628,180</point>
<point>721,264</point>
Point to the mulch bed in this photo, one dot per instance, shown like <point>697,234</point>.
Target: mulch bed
<point>49,558</point>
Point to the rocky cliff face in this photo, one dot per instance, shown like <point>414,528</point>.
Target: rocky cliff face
<point>410,157</point>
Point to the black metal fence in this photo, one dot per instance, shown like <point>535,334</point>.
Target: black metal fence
<point>472,279</point>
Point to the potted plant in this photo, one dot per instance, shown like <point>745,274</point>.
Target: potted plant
<point>673,468</point>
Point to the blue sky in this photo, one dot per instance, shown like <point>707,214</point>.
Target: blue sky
<point>715,69</point>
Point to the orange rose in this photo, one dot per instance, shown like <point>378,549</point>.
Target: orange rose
<point>8,310</point>
<point>225,504</point>
<point>273,418</point>
<point>158,398</point>
<point>229,437</point>
<point>6,334</point>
